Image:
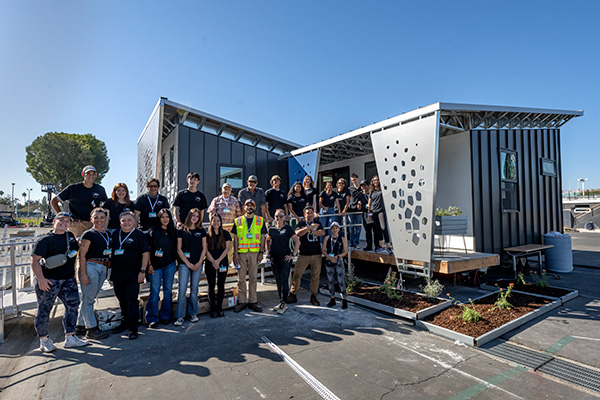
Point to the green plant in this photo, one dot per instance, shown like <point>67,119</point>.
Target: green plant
<point>502,300</point>
<point>521,280</point>
<point>389,287</point>
<point>542,281</point>
<point>469,313</point>
<point>450,211</point>
<point>352,281</point>
<point>432,288</point>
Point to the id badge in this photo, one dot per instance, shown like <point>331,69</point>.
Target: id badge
<point>119,252</point>
<point>72,253</point>
<point>222,269</point>
<point>107,252</point>
<point>248,236</point>
<point>152,215</point>
<point>227,210</point>
<point>187,254</point>
<point>158,253</point>
<point>331,255</point>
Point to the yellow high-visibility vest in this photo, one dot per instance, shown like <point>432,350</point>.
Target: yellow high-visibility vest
<point>249,239</point>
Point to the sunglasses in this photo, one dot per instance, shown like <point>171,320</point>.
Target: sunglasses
<point>152,186</point>
<point>280,216</point>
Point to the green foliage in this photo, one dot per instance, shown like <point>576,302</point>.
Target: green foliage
<point>469,313</point>
<point>502,299</point>
<point>389,287</point>
<point>450,211</point>
<point>352,281</point>
<point>542,281</point>
<point>58,158</point>
<point>432,288</point>
<point>521,280</point>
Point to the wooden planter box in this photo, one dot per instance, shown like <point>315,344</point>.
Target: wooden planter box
<point>493,334</point>
<point>567,297</point>
<point>450,225</point>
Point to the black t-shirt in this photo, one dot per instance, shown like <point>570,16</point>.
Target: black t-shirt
<point>163,247</point>
<point>298,203</point>
<point>83,200</point>
<point>191,242</point>
<point>187,200</point>
<point>52,244</point>
<point>376,201</point>
<point>310,196</point>
<point>310,244</point>
<point>217,251</point>
<point>280,241</point>
<point>126,261</point>
<point>356,195</point>
<point>276,199</point>
<point>115,209</point>
<point>99,242</point>
<point>328,200</point>
<point>342,196</point>
<point>335,246</point>
<point>148,208</point>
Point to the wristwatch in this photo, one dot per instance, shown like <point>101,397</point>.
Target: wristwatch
<point>143,271</point>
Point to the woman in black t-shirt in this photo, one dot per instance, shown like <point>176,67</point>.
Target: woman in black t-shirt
<point>309,191</point>
<point>377,208</point>
<point>297,201</point>
<point>191,248</point>
<point>278,249</point>
<point>163,256</point>
<point>218,244</point>
<point>118,203</point>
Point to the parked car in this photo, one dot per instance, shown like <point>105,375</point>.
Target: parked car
<point>7,218</point>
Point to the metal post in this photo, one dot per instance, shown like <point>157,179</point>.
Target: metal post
<point>13,273</point>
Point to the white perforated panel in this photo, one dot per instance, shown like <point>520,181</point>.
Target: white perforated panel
<point>406,158</point>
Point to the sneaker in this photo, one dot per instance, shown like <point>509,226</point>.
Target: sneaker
<point>220,314</point>
<point>381,250</point>
<point>74,341</point>
<point>344,304</point>
<point>120,328</point>
<point>255,307</point>
<point>80,330</point>
<point>240,307</point>
<point>46,345</point>
<point>368,248</point>
<point>95,334</point>
<point>292,298</point>
<point>313,300</point>
<point>390,251</point>
<point>194,319</point>
<point>153,325</point>
<point>282,308</point>
<point>213,314</point>
<point>276,308</point>
<point>331,302</point>
<point>133,335</point>
<point>164,321</point>
<point>178,322</point>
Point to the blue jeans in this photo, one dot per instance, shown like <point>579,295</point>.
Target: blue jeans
<point>96,273</point>
<point>354,231</point>
<point>66,291</point>
<point>187,275</point>
<point>165,277</point>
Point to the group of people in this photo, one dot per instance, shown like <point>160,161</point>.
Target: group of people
<point>131,241</point>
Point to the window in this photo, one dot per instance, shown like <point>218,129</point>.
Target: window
<point>162,170</point>
<point>171,165</point>
<point>548,167</point>
<point>509,183</point>
<point>370,170</point>
<point>233,174</point>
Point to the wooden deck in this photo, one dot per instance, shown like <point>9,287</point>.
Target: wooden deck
<point>450,262</point>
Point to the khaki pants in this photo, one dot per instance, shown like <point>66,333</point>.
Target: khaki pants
<point>249,265</point>
<point>315,272</point>
<point>79,226</point>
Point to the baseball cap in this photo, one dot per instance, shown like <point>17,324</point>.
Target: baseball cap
<point>227,184</point>
<point>88,168</point>
<point>275,177</point>
<point>249,201</point>
<point>335,223</point>
<point>63,214</point>
<point>363,182</point>
<point>252,178</point>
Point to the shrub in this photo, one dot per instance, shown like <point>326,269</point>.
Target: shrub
<point>502,300</point>
<point>389,287</point>
<point>451,211</point>
<point>541,282</point>
<point>432,288</point>
<point>469,313</point>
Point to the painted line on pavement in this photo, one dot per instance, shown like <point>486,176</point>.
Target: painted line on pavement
<point>304,374</point>
<point>565,340</point>
<point>481,387</point>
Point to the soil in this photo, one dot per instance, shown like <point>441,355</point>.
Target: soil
<point>451,318</point>
<point>410,301</point>
<point>531,288</point>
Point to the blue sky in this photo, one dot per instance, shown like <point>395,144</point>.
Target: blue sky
<point>304,71</point>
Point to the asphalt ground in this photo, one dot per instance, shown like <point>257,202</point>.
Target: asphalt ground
<point>307,353</point>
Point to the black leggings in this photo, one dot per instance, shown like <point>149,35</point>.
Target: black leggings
<point>211,276</point>
<point>281,270</point>
<point>127,293</point>
<point>381,231</point>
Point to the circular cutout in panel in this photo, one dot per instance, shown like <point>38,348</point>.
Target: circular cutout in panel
<point>392,206</point>
<point>403,177</point>
<point>406,149</point>
<point>421,182</point>
<point>424,236</point>
<point>385,159</point>
<point>424,220</point>
<point>413,172</point>
<point>400,216</point>
<point>418,195</point>
<point>410,184</point>
<point>395,168</point>
<point>421,167</point>
<point>384,187</point>
<point>411,200</point>
<point>403,163</point>
<point>393,180</point>
<point>394,155</point>
<point>394,194</point>
<point>397,142</point>
<point>401,192</point>
<point>387,147</point>
<point>387,172</point>
<point>413,158</point>
<point>402,203</point>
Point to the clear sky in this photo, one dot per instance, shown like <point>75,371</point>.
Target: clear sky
<point>301,70</point>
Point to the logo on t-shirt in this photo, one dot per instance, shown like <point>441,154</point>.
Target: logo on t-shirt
<point>197,198</point>
<point>159,202</point>
<point>197,234</point>
<point>129,240</point>
<point>95,195</point>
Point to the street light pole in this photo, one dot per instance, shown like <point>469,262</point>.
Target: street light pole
<point>12,196</point>
<point>28,201</point>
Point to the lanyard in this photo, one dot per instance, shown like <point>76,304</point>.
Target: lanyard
<point>122,241</point>
<point>152,205</point>
<point>249,225</point>
<point>106,239</point>
<point>332,244</point>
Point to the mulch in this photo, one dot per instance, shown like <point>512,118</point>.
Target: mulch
<point>450,318</point>
<point>532,288</point>
<point>410,301</point>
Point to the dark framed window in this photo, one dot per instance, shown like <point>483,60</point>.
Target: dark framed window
<point>509,180</point>
<point>232,174</point>
<point>162,170</point>
<point>370,170</point>
<point>171,165</point>
<point>548,167</point>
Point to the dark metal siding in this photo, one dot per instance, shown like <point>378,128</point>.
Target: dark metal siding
<point>540,201</point>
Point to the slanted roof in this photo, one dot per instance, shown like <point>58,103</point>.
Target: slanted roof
<point>175,113</point>
<point>454,118</point>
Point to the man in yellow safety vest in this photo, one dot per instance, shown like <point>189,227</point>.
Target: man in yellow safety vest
<point>249,243</point>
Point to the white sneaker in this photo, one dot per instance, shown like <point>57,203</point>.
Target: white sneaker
<point>74,341</point>
<point>46,345</point>
<point>194,318</point>
<point>282,308</point>
<point>179,322</point>
<point>276,307</point>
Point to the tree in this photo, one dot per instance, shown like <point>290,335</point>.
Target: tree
<point>58,158</point>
